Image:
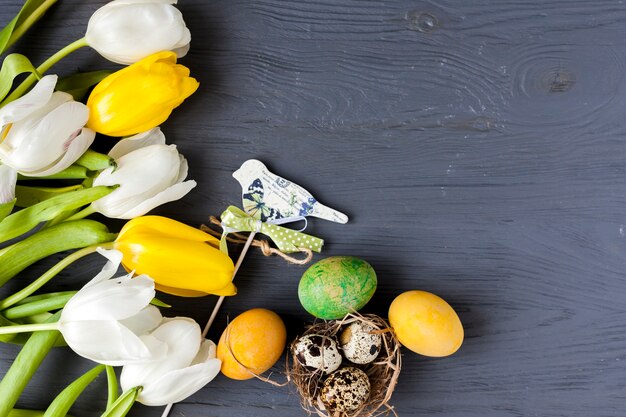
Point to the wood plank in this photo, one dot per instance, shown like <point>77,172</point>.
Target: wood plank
<point>478,148</point>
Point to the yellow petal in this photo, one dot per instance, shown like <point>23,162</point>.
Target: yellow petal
<point>166,227</point>
<point>177,263</point>
<point>140,96</point>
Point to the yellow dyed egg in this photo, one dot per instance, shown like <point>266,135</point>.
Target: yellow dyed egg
<point>426,324</point>
<point>252,343</point>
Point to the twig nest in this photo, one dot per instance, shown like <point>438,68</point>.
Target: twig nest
<point>356,388</point>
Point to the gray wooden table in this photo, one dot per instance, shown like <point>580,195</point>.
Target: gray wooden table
<point>479,148</point>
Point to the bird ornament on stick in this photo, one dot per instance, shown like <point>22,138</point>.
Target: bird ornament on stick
<point>266,196</point>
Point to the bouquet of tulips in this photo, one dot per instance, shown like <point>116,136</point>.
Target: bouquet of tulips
<point>47,125</point>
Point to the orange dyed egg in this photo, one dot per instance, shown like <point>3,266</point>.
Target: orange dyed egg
<point>252,343</point>
<point>426,324</point>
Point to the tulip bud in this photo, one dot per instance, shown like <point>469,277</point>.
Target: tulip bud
<point>108,320</point>
<point>125,31</point>
<point>182,260</point>
<point>42,132</point>
<point>140,96</point>
<point>190,364</point>
<point>149,173</point>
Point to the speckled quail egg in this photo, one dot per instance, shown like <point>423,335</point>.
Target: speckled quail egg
<point>345,390</point>
<point>359,344</point>
<point>316,352</point>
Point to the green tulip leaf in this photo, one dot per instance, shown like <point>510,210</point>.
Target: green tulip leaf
<point>44,296</point>
<point>38,306</point>
<point>25,220</point>
<point>31,11</point>
<point>6,208</point>
<point>25,365</point>
<point>34,319</point>
<point>59,238</point>
<point>12,66</point>
<point>158,303</point>
<point>18,412</point>
<point>71,173</point>
<point>78,85</point>
<point>62,403</point>
<point>123,404</point>
<point>29,196</point>
<point>112,387</point>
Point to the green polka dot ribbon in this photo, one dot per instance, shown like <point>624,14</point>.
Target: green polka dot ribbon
<point>286,240</point>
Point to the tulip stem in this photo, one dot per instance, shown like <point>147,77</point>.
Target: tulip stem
<point>27,328</point>
<point>51,273</point>
<point>45,66</point>
<point>87,211</point>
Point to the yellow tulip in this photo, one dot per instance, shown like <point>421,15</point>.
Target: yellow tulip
<point>139,97</point>
<point>182,260</point>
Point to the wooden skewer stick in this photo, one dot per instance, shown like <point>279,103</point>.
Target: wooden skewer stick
<point>220,300</point>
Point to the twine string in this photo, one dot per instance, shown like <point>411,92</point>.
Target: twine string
<point>263,245</point>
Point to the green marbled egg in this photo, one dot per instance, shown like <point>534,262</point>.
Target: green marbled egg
<point>336,286</point>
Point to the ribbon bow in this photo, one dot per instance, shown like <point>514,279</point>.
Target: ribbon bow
<point>286,240</point>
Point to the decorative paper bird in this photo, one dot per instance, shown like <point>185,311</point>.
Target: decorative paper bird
<point>266,196</point>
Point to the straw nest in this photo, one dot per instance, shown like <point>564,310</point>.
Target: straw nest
<point>383,372</point>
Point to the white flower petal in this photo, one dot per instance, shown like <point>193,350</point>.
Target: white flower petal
<point>121,2</point>
<point>41,144</point>
<point>182,337</point>
<point>125,32</point>
<point>147,178</point>
<point>144,171</point>
<point>105,341</point>
<point>114,258</point>
<point>77,147</point>
<point>173,193</point>
<point>153,136</point>
<point>157,348</point>
<point>145,321</point>
<point>182,51</point>
<point>175,386</point>
<point>22,143</point>
<point>29,102</point>
<point>8,178</point>
<point>31,122</point>
<point>182,169</point>
<point>207,351</point>
<point>115,299</point>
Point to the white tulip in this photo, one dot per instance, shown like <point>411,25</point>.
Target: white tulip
<point>108,321</point>
<point>189,365</point>
<point>149,173</point>
<point>125,31</point>
<point>43,132</point>
<point>8,178</point>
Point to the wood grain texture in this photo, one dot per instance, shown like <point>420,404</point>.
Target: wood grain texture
<point>478,148</point>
